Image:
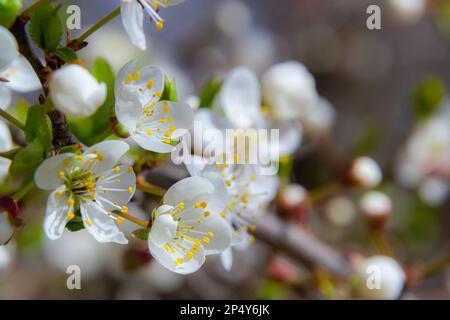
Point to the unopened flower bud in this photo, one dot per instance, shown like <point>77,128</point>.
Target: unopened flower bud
<point>76,92</point>
<point>380,277</point>
<point>365,172</point>
<point>377,208</point>
<point>293,202</point>
<point>408,10</point>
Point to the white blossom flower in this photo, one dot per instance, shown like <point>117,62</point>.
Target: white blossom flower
<point>17,71</point>
<point>408,10</point>
<point>132,12</point>
<point>153,124</point>
<point>238,106</point>
<point>246,194</point>
<point>365,172</point>
<point>5,145</point>
<point>76,92</point>
<point>92,183</point>
<point>380,277</point>
<point>189,226</point>
<point>290,90</point>
<point>375,204</point>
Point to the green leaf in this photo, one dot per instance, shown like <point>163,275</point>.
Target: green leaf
<point>170,90</point>
<point>9,10</point>
<point>427,97</point>
<point>38,127</point>
<point>209,92</point>
<point>46,28</point>
<point>27,159</point>
<point>66,54</point>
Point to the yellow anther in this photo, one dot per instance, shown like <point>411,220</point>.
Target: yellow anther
<point>245,228</point>
<point>226,165</point>
<point>210,234</point>
<point>130,77</point>
<point>218,165</point>
<point>180,260</point>
<point>197,205</point>
<point>120,220</point>
<point>155,5</point>
<point>172,250</point>
<point>181,205</point>
<point>58,193</point>
<point>149,84</point>
<point>205,240</point>
<point>137,76</point>
<point>189,255</point>
<point>115,203</point>
<point>100,157</point>
<point>70,202</point>
<point>117,181</point>
<point>206,214</point>
<point>79,158</point>
<point>203,204</point>
<point>236,158</point>
<point>105,191</point>
<point>252,239</point>
<point>167,134</point>
<point>159,25</point>
<point>124,209</point>
<point>223,215</point>
<point>253,228</point>
<point>149,132</point>
<point>158,129</point>
<point>165,108</point>
<point>130,169</point>
<point>130,189</point>
<point>126,81</point>
<point>88,223</point>
<point>222,174</point>
<point>197,243</point>
<point>228,183</point>
<point>157,94</point>
<point>61,174</point>
<point>70,215</point>
<point>162,120</point>
<point>169,119</point>
<point>199,221</point>
<point>166,247</point>
<point>166,141</point>
<point>116,169</point>
<point>172,128</point>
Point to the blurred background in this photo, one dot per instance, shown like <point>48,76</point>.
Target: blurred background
<point>387,87</point>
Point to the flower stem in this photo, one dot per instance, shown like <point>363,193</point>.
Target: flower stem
<point>10,153</point>
<point>22,192</point>
<point>148,187</point>
<point>28,11</point>
<point>99,24</point>
<point>436,266</point>
<point>135,220</point>
<point>324,191</point>
<point>5,115</point>
<point>380,243</point>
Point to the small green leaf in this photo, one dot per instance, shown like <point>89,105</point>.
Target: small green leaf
<point>9,10</point>
<point>170,90</point>
<point>27,159</point>
<point>46,28</point>
<point>38,127</point>
<point>427,97</point>
<point>141,234</point>
<point>66,54</point>
<point>209,92</point>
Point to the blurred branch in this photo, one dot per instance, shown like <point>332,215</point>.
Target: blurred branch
<point>293,241</point>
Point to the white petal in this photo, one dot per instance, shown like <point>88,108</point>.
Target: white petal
<point>169,3</point>
<point>151,143</point>
<point>111,150</point>
<point>218,227</point>
<point>115,187</point>
<point>187,189</point>
<point>133,22</point>
<point>195,165</point>
<point>5,137</point>
<point>122,75</point>
<point>239,98</point>
<point>21,76</point>
<point>290,137</point>
<point>56,214</point>
<point>8,48</point>
<point>164,229</point>
<point>166,258</point>
<point>46,175</point>
<point>128,109</point>
<point>226,258</point>
<point>5,96</point>
<point>100,225</point>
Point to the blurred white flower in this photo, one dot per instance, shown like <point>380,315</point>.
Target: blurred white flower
<point>153,124</point>
<point>340,211</point>
<point>6,144</point>
<point>7,253</point>
<point>380,277</point>
<point>434,191</point>
<point>290,90</point>
<point>76,92</point>
<point>246,194</point>
<point>132,12</point>
<point>375,203</point>
<point>365,172</point>
<point>189,226</point>
<point>233,18</point>
<point>321,117</point>
<point>92,183</point>
<point>408,10</point>
<point>15,69</point>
